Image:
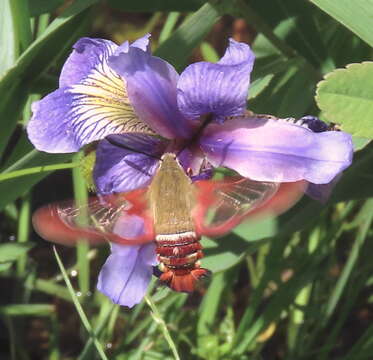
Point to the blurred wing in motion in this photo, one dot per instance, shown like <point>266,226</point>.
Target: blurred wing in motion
<point>111,218</point>
<point>222,205</point>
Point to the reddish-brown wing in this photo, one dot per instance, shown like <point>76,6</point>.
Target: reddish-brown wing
<point>64,223</point>
<point>222,205</point>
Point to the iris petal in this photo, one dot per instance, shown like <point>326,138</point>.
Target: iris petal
<point>126,162</point>
<point>271,150</point>
<point>126,274</point>
<point>95,106</point>
<point>87,54</point>
<point>151,85</point>
<point>219,88</point>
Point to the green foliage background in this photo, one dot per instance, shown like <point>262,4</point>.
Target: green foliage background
<point>294,287</point>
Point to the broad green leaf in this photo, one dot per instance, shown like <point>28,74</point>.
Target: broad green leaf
<point>27,310</point>
<point>38,7</point>
<point>355,15</point>
<point>346,98</point>
<point>12,251</point>
<point>156,5</point>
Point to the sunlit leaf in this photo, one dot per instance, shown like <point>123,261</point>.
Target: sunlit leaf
<point>355,15</point>
<point>346,98</point>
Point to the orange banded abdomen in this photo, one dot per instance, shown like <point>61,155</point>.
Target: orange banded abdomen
<point>179,256</point>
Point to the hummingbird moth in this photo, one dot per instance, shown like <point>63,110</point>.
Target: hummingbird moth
<point>176,212</point>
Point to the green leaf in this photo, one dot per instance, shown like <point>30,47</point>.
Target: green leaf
<point>11,189</point>
<point>258,85</point>
<point>5,266</point>
<point>79,308</point>
<point>11,251</point>
<point>225,252</point>
<point>294,22</point>
<point>346,98</point>
<point>360,142</point>
<point>186,38</point>
<point>27,310</point>
<point>21,24</point>
<point>9,48</point>
<point>38,7</point>
<point>209,53</point>
<point>355,15</point>
<point>156,5</point>
<point>291,91</point>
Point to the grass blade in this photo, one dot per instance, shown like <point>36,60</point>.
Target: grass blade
<point>79,309</point>
<point>159,320</point>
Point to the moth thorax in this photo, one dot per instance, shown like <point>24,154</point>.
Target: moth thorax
<point>171,198</point>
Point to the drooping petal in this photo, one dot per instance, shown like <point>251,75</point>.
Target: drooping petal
<point>126,162</point>
<point>84,111</point>
<point>151,86</point>
<point>219,88</point>
<point>271,150</point>
<point>126,274</point>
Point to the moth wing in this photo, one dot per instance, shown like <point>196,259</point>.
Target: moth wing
<point>120,218</point>
<point>222,205</point>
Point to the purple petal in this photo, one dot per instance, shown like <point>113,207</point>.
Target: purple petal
<point>126,274</point>
<point>151,86</point>
<point>90,54</point>
<point>87,55</point>
<point>86,111</point>
<point>219,88</point>
<point>141,43</point>
<point>272,150</point>
<point>126,162</point>
<point>50,127</point>
<point>128,226</point>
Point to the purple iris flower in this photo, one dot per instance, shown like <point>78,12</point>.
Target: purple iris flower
<point>140,107</point>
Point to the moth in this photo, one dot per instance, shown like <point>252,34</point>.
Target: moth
<point>175,213</point>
